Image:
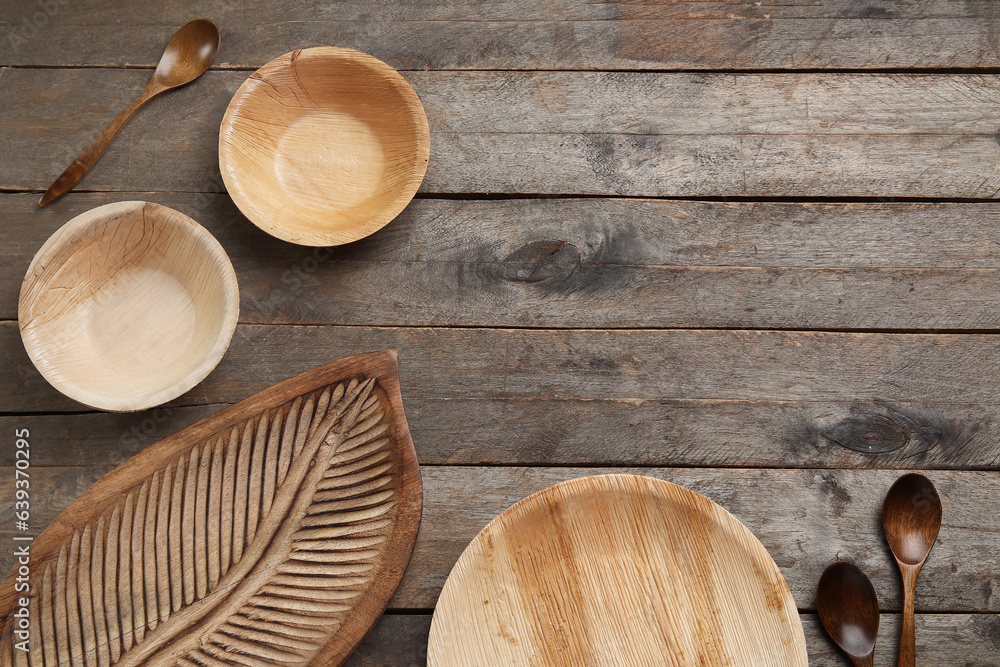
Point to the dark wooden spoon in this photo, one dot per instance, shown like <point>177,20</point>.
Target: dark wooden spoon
<point>189,53</point>
<point>911,518</point>
<point>848,608</point>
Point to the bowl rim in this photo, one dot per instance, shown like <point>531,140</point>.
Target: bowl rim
<point>247,205</point>
<point>80,224</point>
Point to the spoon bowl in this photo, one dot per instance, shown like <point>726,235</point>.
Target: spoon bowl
<point>911,518</point>
<point>189,53</point>
<point>848,609</point>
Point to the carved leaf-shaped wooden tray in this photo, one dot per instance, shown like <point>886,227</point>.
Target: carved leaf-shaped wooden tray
<point>272,533</point>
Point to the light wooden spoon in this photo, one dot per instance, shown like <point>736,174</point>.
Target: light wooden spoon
<point>189,53</point>
<point>911,518</point>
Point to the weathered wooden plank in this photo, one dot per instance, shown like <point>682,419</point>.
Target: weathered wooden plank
<point>961,166</point>
<point>623,364</point>
<point>805,518</point>
<point>400,640</point>
<point>679,104</point>
<point>606,231</point>
<point>98,438</point>
<point>636,134</point>
<point>397,640</point>
<point>598,263</point>
<point>648,432</point>
<point>515,34</point>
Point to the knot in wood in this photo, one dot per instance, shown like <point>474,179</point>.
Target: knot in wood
<point>868,434</point>
<point>546,259</point>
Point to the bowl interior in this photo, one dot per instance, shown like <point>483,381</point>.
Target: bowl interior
<point>323,146</point>
<point>128,306</point>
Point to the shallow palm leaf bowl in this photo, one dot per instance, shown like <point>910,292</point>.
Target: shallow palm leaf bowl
<point>128,305</point>
<point>323,146</point>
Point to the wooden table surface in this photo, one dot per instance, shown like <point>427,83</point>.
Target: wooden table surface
<point>749,247</point>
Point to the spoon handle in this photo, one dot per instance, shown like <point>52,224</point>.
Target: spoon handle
<point>81,165</point>
<point>907,633</point>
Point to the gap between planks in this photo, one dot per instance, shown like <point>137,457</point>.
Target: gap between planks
<point>594,70</point>
<point>506,327</point>
<point>506,196</point>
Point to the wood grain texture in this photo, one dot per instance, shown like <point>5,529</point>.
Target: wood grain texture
<point>587,364</point>
<point>805,518</point>
<point>592,263</point>
<point>515,34</point>
<point>656,432</point>
<point>636,134</point>
<point>502,398</point>
<point>615,569</point>
<point>401,641</point>
<point>600,263</point>
<point>394,641</point>
<point>273,532</point>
